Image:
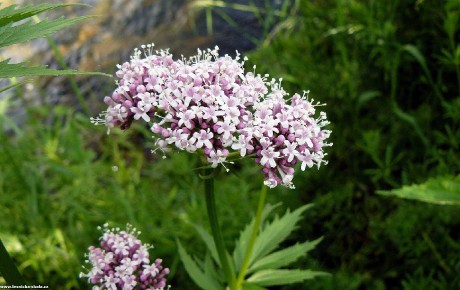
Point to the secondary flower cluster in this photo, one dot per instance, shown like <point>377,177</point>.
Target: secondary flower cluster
<point>210,104</point>
<point>123,262</point>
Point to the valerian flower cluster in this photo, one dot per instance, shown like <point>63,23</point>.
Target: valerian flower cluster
<point>208,103</point>
<point>123,262</point>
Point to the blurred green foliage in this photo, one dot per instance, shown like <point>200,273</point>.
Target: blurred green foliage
<point>61,177</point>
<point>389,72</point>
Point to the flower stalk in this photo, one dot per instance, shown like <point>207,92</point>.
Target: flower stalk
<point>252,241</point>
<point>208,104</point>
<point>216,231</point>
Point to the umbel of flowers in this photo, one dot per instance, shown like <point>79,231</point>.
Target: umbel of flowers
<point>123,262</point>
<point>209,104</point>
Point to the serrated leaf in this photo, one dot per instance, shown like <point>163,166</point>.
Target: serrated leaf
<point>211,270</point>
<point>276,232</point>
<point>250,286</point>
<point>283,277</point>
<point>284,257</point>
<point>208,240</point>
<point>10,34</point>
<point>13,13</point>
<point>9,70</point>
<point>242,244</point>
<point>195,272</point>
<point>439,190</point>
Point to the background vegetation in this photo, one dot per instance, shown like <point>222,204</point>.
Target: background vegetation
<point>389,72</point>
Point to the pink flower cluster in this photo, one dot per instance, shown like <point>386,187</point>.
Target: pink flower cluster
<point>209,104</point>
<point>123,262</point>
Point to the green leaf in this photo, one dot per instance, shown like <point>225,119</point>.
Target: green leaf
<point>10,34</point>
<point>13,86</point>
<point>8,268</point>
<point>283,277</point>
<point>284,257</point>
<point>439,190</point>
<point>452,5</point>
<point>210,269</point>
<point>366,97</point>
<point>9,70</point>
<point>242,243</point>
<point>12,13</point>
<point>451,23</point>
<point>4,118</point>
<point>194,271</point>
<point>250,286</point>
<point>276,232</point>
<point>411,120</point>
<point>415,52</point>
<point>208,240</point>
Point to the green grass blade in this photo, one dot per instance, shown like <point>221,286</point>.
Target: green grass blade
<point>10,34</point>
<point>8,121</point>
<point>8,269</point>
<point>4,119</point>
<point>411,121</point>
<point>283,277</point>
<point>209,21</point>
<point>9,70</point>
<point>73,83</point>
<point>284,257</point>
<point>14,85</point>
<point>415,52</point>
<point>12,13</point>
<point>418,56</point>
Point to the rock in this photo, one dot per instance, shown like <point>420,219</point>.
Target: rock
<point>109,38</point>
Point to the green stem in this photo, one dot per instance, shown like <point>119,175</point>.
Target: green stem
<point>8,269</point>
<point>216,231</point>
<point>252,241</point>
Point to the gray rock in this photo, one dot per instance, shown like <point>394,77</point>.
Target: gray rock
<point>121,25</point>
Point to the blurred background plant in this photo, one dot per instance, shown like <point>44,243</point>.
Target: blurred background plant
<point>389,73</point>
<point>16,27</point>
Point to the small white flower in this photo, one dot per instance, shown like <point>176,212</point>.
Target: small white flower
<point>290,150</point>
<point>202,138</point>
<point>268,156</point>
<point>216,158</point>
<point>307,160</point>
<point>243,145</point>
